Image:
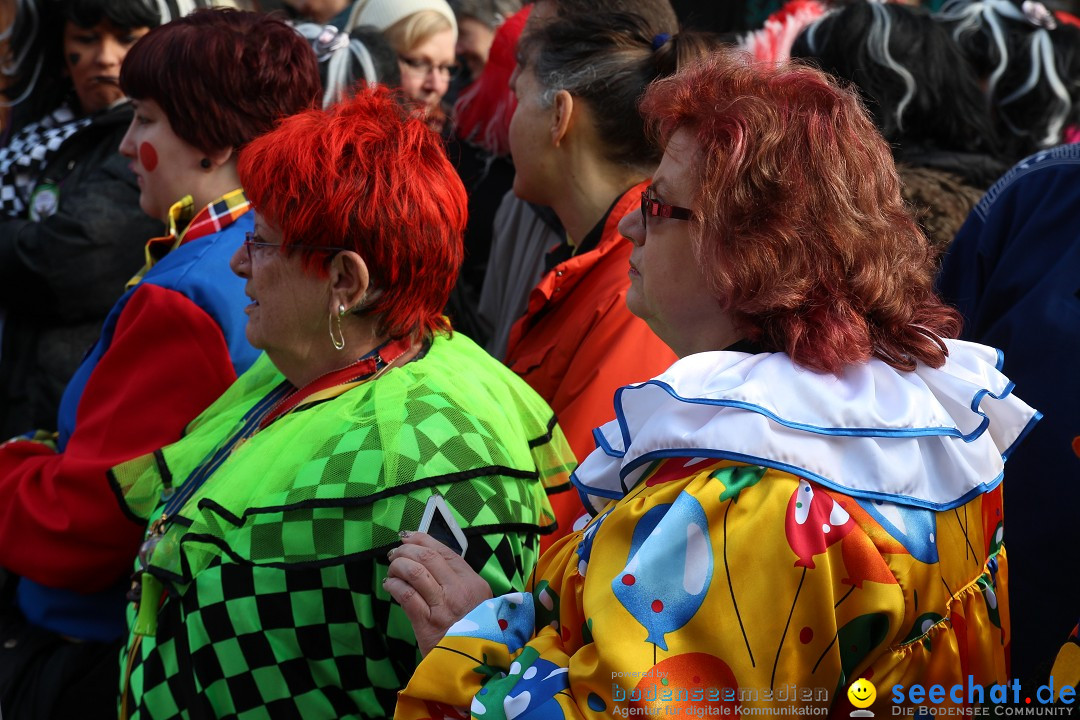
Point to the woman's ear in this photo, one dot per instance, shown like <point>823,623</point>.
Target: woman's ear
<point>350,282</point>
<point>561,118</point>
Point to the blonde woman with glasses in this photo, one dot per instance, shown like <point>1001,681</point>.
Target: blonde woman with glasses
<point>423,33</point>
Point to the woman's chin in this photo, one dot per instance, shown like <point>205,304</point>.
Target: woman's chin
<point>524,192</point>
<point>633,301</point>
<point>252,335</point>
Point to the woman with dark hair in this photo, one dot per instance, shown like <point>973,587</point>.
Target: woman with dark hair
<point>659,15</point>
<point>480,151</point>
<point>45,46</point>
<point>924,99</point>
<point>810,496</point>
<point>478,21</point>
<point>320,12</point>
<point>71,231</point>
<point>261,576</point>
<point>170,345</point>
<point>580,148</point>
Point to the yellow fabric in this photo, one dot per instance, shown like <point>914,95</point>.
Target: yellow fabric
<point>1066,670</point>
<point>750,586</point>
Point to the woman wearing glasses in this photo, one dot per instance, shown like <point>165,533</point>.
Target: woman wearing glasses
<point>810,495</point>
<point>423,33</point>
<point>260,585</point>
<point>202,87</point>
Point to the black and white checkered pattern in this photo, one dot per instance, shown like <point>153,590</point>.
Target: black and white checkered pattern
<point>27,155</point>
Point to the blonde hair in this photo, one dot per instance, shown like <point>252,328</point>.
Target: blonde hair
<point>414,29</point>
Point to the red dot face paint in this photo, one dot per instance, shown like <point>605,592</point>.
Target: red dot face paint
<point>148,157</point>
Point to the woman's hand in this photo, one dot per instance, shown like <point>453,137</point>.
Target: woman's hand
<point>434,585</point>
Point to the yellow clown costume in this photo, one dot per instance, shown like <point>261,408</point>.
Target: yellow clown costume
<point>762,535</point>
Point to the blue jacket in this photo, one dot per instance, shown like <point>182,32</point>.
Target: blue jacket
<point>195,280</point>
<point>1014,273</point>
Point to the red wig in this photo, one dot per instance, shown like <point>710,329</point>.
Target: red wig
<point>367,175</point>
<point>485,107</point>
<point>800,225</point>
<point>223,77</point>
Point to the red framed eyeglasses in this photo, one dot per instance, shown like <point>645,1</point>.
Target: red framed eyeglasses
<point>651,207</point>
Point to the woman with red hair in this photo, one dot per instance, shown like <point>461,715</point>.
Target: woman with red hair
<point>810,495</point>
<point>260,584</point>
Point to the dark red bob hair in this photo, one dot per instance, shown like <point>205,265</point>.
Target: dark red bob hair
<point>367,175</point>
<point>799,222</point>
<point>223,76</point>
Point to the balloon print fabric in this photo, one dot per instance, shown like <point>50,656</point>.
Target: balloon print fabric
<point>714,584</point>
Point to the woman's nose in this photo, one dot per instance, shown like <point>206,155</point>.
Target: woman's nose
<point>238,263</point>
<point>127,145</point>
<point>110,52</point>
<point>632,227</point>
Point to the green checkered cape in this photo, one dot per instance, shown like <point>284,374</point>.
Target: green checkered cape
<point>274,605</point>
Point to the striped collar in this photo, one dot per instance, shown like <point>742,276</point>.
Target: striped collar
<point>184,226</point>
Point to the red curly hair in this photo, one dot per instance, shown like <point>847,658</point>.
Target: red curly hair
<point>800,224</point>
<point>370,176</point>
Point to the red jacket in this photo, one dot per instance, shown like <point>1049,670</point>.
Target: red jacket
<point>577,343</point>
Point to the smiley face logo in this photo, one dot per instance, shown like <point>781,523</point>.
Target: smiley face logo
<point>862,693</point>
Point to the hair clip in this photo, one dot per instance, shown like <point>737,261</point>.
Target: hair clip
<point>660,40</point>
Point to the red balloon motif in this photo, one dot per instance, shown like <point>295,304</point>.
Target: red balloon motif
<point>814,522</point>
<point>684,682</point>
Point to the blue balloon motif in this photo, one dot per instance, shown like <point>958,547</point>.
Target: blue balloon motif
<point>526,693</point>
<point>669,568</point>
<point>914,528</point>
<point>508,619</point>
<point>584,548</point>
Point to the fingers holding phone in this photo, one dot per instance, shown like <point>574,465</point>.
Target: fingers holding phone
<point>431,580</point>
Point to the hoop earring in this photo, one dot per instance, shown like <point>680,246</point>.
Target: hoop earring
<point>339,341</point>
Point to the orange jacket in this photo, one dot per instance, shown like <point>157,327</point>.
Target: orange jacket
<point>577,343</point>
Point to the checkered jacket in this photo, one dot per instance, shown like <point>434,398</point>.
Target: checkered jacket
<point>274,604</point>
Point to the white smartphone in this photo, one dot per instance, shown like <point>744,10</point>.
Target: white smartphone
<point>439,523</point>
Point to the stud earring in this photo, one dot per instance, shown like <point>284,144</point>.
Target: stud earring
<point>205,163</point>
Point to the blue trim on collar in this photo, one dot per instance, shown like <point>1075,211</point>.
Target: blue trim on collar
<point>602,443</point>
<point>1023,434</point>
<point>833,431</point>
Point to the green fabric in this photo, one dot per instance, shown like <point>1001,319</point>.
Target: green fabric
<point>275,565</point>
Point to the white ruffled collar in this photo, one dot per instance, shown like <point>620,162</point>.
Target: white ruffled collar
<point>930,438</point>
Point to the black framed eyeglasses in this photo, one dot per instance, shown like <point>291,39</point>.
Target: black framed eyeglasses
<point>250,241</point>
<point>423,67</point>
<point>651,207</point>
